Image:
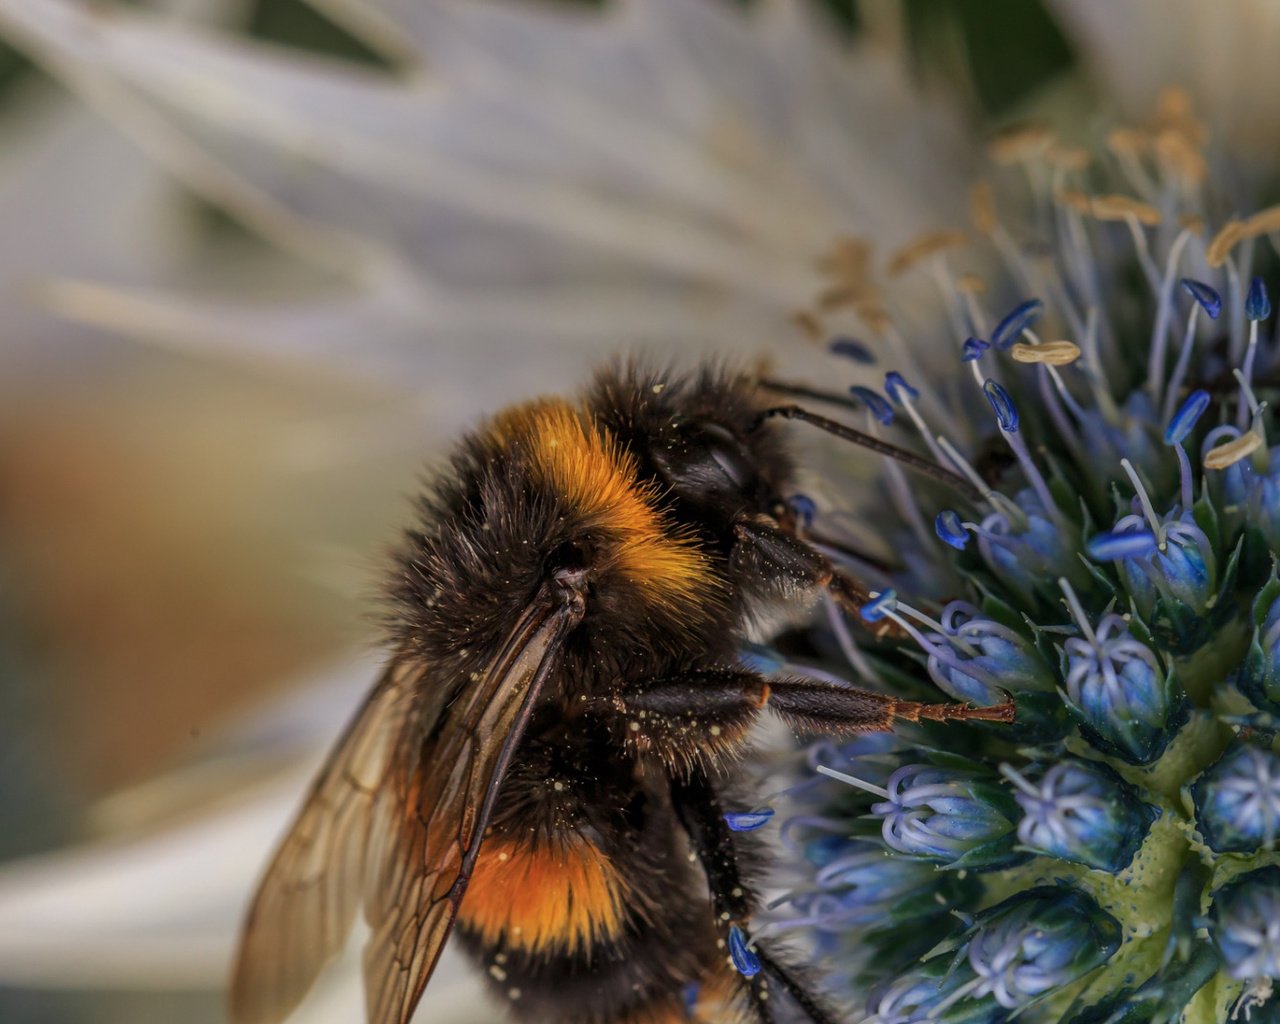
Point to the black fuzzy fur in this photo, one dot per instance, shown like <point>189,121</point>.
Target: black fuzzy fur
<point>487,539</point>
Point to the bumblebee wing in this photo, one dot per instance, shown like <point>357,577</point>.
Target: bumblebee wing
<point>442,808</point>
<point>394,820</point>
<point>307,899</point>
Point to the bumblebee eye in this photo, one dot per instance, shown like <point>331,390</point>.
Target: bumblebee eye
<point>706,462</point>
<point>730,455</point>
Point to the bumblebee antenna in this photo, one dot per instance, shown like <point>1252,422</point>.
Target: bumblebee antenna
<point>813,394</point>
<point>916,462</point>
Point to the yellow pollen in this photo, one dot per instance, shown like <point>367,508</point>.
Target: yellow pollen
<point>1127,142</point>
<point>809,324</point>
<point>1068,158</point>
<point>1228,237</point>
<point>1232,452</point>
<point>1054,353</point>
<point>1193,222</point>
<point>1021,144</point>
<point>920,249</point>
<point>982,208</point>
<point>1264,222</point>
<point>874,316</point>
<point>1119,207</point>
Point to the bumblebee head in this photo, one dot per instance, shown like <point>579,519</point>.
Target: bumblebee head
<point>700,439</point>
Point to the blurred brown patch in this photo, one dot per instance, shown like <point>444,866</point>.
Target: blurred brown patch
<point>153,584</point>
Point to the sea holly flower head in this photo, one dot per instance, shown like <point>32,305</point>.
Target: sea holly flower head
<point>1246,925</point>
<point>1237,800</point>
<point>1105,528</point>
<point>1083,812</point>
<point>975,658</point>
<point>1038,941</point>
<point>1116,686</point>
<point>1260,676</point>
<point>949,816</point>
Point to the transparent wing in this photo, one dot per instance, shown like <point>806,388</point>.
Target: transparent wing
<point>394,821</point>
<point>306,901</point>
<point>441,812</point>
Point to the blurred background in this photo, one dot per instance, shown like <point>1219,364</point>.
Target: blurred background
<point>261,259</point>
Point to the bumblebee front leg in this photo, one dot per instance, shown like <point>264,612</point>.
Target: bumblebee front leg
<point>765,550</point>
<point>700,813</point>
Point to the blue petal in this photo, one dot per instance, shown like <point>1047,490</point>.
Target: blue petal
<point>1182,421</point>
<point>1210,301</point>
<point>760,659</point>
<point>748,821</point>
<point>1002,403</point>
<point>803,508</point>
<point>689,997</point>
<point>1022,316</point>
<point>851,348</point>
<point>950,528</point>
<point>875,609</point>
<point>1257,305</point>
<point>747,963</point>
<point>896,385</point>
<point>874,402</point>
<point>972,349</point>
<point>1108,547</point>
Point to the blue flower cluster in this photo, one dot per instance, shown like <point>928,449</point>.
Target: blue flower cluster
<point>1111,856</point>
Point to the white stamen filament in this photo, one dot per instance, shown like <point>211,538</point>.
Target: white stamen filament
<point>1235,302</point>
<point>950,296</point>
<point>1145,500</point>
<point>1077,613</point>
<point>848,647</point>
<point>954,639</point>
<point>1032,473</point>
<point>852,780</point>
<point>903,494</point>
<point>1164,310</point>
<point>1180,370</point>
<point>1144,252</point>
<point>909,404</point>
<point>997,501</point>
<point>1248,401</point>
<point>1245,377</point>
<point>1078,256</point>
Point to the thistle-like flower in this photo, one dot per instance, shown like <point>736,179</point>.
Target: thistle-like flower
<point>1112,855</point>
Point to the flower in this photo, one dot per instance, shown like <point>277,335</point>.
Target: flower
<point>1082,811</point>
<point>949,816</point>
<point>1237,800</point>
<point>1246,925</point>
<point>1118,840</point>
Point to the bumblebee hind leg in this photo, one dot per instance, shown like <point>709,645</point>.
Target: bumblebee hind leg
<point>732,901</point>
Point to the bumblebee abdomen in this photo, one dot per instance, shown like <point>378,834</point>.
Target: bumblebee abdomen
<point>558,896</point>
<point>584,907</point>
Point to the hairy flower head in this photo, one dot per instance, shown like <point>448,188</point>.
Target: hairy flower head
<point>1112,566</point>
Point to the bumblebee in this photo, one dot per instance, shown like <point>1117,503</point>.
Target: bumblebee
<point>543,764</point>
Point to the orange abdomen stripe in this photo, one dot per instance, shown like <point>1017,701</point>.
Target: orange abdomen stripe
<point>560,896</point>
